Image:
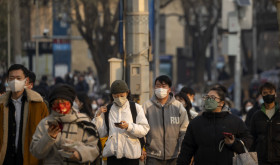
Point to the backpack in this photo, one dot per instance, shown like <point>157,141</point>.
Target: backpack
<point>133,113</point>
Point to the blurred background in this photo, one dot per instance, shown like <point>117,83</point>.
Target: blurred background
<point>197,43</point>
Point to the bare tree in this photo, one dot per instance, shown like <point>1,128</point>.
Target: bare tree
<point>97,22</point>
<point>201,17</point>
<point>3,35</point>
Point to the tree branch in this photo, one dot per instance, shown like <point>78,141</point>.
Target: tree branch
<point>165,4</point>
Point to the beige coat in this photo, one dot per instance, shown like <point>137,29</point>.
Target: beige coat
<point>47,148</point>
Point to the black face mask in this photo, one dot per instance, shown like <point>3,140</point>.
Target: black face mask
<point>269,99</point>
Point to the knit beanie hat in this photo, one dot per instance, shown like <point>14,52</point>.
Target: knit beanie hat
<point>62,91</point>
<point>119,86</point>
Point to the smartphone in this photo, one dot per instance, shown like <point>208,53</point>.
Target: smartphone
<point>117,124</point>
<point>53,123</point>
<point>226,134</point>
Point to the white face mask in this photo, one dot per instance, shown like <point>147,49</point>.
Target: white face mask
<point>75,105</point>
<point>161,93</point>
<point>248,108</point>
<point>120,101</point>
<point>94,106</point>
<point>16,85</point>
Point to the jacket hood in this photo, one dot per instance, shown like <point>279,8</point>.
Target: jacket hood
<point>31,96</point>
<point>170,100</point>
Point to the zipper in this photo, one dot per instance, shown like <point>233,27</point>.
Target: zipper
<point>269,125</point>
<point>163,133</point>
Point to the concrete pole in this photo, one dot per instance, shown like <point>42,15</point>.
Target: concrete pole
<point>137,43</point>
<point>277,3</point>
<point>237,74</point>
<point>255,52</point>
<point>215,56</point>
<point>36,40</point>
<point>157,28</point>
<point>16,31</point>
<point>9,34</point>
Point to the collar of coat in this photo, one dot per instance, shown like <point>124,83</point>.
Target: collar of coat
<point>216,115</point>
<point>32,96</point>
<point>276,107</point>
<point>170,100</point>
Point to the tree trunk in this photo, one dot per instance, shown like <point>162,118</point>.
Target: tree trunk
<point>16,31</point>
<point>199,55</point>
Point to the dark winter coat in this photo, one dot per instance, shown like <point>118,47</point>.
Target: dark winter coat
<point>204,134</point>
<point>250,115</point>
<point>266,134</point>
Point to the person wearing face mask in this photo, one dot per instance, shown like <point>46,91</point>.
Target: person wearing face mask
<point>265,127</point>
<point>83,104</point>
<point>168,120</point>
<point>246,107</point>
<point>124,122</point>
<point>258,102</point>
<point>184,99</point>
<point>191,95</point>
<point>65,137</point>
<point>21,109</point>
<point>214,136</point>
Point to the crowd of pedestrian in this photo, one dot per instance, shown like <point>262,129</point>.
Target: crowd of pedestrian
<point>64,124</point>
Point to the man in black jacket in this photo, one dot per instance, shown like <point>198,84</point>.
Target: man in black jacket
<point>265,127</point>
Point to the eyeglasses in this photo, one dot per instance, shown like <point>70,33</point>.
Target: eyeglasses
<point>210,97</point>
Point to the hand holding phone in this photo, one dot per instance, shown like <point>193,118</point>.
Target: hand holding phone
<point>117,124</point>
<point>53,123</point>
<point>227,134</point>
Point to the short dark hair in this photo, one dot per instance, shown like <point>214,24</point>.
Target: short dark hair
<point>165,79</point>
<point>32,77</point>
<point>267,85</point>
<point>223,88</point>
<point>18,67</point>
<point>186,99</point>
<point>220,93</point>
<point>188,90</point>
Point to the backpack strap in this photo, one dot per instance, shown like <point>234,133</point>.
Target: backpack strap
<point>106,115</point>
<point>133,110</point>
<point>134,115</point>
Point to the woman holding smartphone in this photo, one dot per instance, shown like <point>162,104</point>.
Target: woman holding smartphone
<point>65,136</point>
<point>124,122</point>
<point>213,137</point>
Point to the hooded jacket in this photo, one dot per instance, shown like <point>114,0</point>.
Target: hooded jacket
<point>168,125</point>
<point>266,133</point>
<point>34,111</point>
<point>205,133</point>
<point>123,143</point>
<point>77,132</point>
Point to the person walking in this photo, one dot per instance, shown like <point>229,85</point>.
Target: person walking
<point>65,137</point>
<point>21,109</point>
<point>213,137</point>
<point>123,122</point>
<point>184,99</point>
<point>168,121</point>
<point>265,127</point>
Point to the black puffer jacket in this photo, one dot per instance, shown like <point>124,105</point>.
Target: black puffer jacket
<point>266,134</point>
<point>204,134</point>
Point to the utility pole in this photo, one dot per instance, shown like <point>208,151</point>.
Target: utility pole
<point>157,28</point>
<point>255,52</point>
<point>9,34</point>
<point>36,40</point>
<point>137,45</point>
<point>16,31</point>
<point>277,4</point>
